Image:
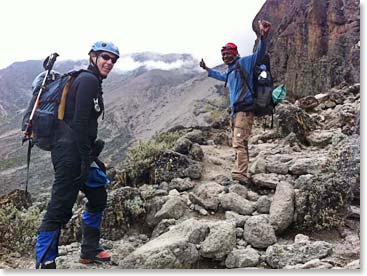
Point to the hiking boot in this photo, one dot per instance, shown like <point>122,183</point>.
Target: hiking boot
<point>242,181</point>
<point>48,265</point>
<point>101,257</point>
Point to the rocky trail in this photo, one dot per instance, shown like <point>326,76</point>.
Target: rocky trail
<point>301,210</point>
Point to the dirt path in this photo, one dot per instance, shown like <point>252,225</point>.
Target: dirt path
<point>218,160</point>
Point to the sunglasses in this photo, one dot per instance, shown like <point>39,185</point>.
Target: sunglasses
<point>107,58</point>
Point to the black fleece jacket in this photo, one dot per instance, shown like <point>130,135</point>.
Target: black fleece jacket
<point>84,104</point>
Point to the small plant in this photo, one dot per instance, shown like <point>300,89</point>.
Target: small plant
<point>135,206</point>
<point>18,229</point>
<point>168,139</point>
<point>322,204</point>
<point>141,157</point>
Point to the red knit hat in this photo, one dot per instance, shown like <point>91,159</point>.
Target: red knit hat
<point>230,48</point>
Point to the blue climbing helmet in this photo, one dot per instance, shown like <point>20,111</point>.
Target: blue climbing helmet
<point>106,47</point>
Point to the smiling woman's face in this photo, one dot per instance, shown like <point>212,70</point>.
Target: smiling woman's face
<point>105,62</point>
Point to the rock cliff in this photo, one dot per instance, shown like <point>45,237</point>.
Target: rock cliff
<point>315,44</point>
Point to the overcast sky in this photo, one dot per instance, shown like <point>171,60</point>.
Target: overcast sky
<point>33,29</point>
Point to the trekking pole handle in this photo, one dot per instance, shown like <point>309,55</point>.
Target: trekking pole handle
<point>49,62</point>
<point>48,65</point>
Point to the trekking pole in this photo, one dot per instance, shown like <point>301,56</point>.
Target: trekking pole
<point>48,63</point>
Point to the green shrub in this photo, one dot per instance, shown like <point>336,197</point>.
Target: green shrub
<point>135,206</point>
<point>322,203</point>
<point>140,158</point>
<point>18,229</point>
<point>168,139</point>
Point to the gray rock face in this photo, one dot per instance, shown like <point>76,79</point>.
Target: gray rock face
<point>239,189</point>
<point>301,181</point>
<point>152,206</point>
<point>162,227</point>
<point>237,219</point>
<point>236,203</point>
<point>174,207</point>
<point>174,249</point>
<point>258,231</point>
<point>320,138</point>
<point>282,207</point>
<point>196,136</point>
<point>263,204</point>
<point>308,165</point>
<point>181,184</point>
<point>278,168</point>
<point>196,152</point>
<point>269,180</point>
<point>292,119</point>
<point>279,256</point>
<point>206,195</point>
<point>248,257</point>
<point>220,241</point>
<point>321,66</point>
<point>313,264</point>
<point>182,145</point>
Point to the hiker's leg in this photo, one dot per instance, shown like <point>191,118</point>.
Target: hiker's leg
<point>59,209</point>
<point>242,126</point>
<point>91,221</point>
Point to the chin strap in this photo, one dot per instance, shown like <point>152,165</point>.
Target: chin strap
<point>95,67</point>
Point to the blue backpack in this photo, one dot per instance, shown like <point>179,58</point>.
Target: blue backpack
<point>51,107</point>
<point>262,89</point>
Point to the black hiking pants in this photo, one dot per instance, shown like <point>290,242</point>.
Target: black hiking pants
<point>66,162</point>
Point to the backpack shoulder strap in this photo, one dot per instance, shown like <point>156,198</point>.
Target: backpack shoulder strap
<point>61,109</point>
<point>244,75</point>
<point>229,71</point>
<point>71,77</point>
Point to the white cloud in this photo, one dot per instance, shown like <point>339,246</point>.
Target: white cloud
<point>127,63</point>
<point>34,29</point>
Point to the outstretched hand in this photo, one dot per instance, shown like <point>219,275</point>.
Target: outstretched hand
<point>265,27</point>
<point>203,65</point>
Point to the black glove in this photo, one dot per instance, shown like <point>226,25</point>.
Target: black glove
<point>100,164</point>
<point>84,171</point>
<point>97,148</point>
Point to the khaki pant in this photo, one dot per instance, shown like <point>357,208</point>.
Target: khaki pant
<point>241,130</point>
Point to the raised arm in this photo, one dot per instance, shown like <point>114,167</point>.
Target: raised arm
<point>249,62</point>
<point>213,73</point>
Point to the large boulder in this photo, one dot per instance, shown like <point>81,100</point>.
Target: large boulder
<point>281,255</point>
<point>282,207</point>
<point>207,195</point>
<point>220,241</point>
<point>292,119</point>
<point>258,231</point>
<point>176,248</point>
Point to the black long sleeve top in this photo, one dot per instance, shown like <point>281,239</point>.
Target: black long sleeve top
<point>84,105</point>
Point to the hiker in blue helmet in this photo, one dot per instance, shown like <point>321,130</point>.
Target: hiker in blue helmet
<point>106,47</point>
<point>103,55</point>
<point>76,148</point>
<point>241,98</point>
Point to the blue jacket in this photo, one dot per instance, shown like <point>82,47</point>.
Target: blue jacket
<point>235,82</point>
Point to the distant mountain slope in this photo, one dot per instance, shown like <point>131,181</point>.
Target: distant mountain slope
<point>139,103</point>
